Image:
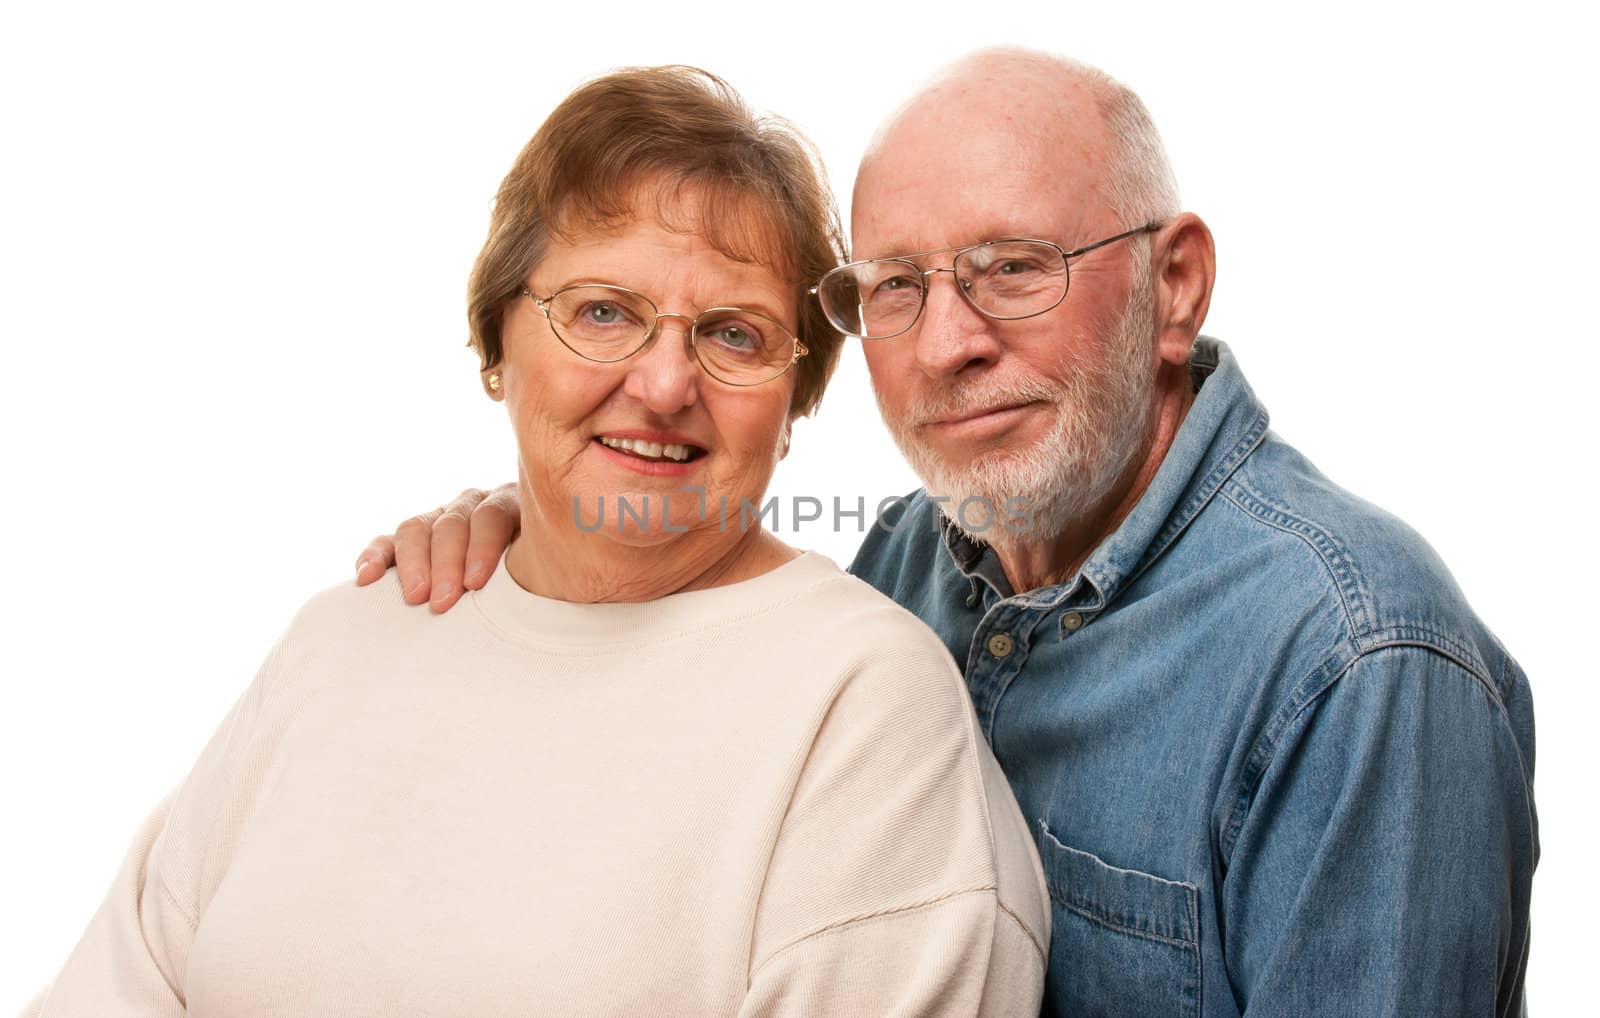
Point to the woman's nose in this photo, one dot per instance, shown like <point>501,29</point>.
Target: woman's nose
<point>665,376</point>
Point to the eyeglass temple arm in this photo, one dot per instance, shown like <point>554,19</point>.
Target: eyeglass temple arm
<point>1146,228</point>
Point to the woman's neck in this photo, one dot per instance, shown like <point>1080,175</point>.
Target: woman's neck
<point>568,565</point>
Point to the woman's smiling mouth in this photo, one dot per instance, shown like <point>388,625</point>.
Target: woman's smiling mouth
<point>653,454</point>
<point>651,450</point>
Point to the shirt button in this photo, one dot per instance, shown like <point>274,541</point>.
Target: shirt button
<point>1000,645</point>
<point>1072,621</point>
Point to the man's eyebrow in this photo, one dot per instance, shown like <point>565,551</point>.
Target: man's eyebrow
<point>898,249</point>
<point>913,250</point>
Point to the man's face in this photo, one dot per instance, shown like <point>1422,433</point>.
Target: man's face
<point>1054,409</point>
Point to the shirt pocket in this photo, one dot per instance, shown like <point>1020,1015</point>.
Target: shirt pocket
<point>1123,944</point>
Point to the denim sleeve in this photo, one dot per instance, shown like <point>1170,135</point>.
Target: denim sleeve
<point>1383,864</point>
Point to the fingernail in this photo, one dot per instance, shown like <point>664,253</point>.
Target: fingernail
<point>414,585</point>
<point>474,571</point>
<point>442,592</point>
<point>362,567</point>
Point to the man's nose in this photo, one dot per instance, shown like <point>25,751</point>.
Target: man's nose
<point>665,376</point>
<point>952,334</point>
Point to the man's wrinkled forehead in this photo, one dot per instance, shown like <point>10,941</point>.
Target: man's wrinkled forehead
<point>958,165</point>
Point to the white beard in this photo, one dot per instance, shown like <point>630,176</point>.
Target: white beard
<point>1104,409</point>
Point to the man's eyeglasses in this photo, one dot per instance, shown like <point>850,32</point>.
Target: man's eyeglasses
<point>1005,279</point>
<point>605,323</point>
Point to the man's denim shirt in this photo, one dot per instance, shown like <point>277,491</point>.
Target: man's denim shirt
<point>1273,762</point>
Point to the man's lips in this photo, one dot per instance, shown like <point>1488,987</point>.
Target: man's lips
<point>992,416</point>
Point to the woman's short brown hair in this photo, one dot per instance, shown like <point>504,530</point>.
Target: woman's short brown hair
<point>763,196</point>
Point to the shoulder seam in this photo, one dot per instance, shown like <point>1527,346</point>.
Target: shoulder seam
<point>172,899</point>
<point>1032,937</point>
<point>992,890</point>
<point>1305,694</point>
<point>1362,629</point>
<point>1341,571</point>
<point>1436,642</point>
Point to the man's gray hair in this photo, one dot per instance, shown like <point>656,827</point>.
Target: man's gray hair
<point>1140,184</point>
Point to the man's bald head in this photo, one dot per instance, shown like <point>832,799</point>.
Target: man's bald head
<point>1058,119</point>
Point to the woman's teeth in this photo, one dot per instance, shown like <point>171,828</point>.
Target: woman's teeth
<point>648,450</point>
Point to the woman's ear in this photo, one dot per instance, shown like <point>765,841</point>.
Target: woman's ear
<point>492,384</point>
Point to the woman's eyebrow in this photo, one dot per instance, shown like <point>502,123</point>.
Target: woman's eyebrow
<point>757,304</point>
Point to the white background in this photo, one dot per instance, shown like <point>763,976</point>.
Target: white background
<point>235,241</point>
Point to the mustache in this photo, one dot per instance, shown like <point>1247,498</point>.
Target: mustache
<point>975,397</point>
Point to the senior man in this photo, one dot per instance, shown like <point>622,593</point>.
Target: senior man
<point>1273,762</point>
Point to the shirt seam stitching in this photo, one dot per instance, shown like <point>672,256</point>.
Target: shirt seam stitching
<point>1306,532</point>
<point>1367,635</point>
<point>1270,744</point>
<point>1190,893</point>
<point>1213,484</point>
<point>1126,931</point>
<point>1038,948</point>
<point>827,705</point>
<point>839,925</point>
<point>172,898</point>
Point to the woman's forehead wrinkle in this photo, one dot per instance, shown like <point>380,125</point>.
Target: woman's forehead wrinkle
<point>737,224</point>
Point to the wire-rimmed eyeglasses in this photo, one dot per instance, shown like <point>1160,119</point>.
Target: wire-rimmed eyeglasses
<point>1007,279</point>
<point>605,323</point>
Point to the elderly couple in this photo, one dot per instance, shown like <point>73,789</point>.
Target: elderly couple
<point>1229,741</point>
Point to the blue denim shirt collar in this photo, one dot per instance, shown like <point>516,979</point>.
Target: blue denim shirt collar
<point>1225,422</point>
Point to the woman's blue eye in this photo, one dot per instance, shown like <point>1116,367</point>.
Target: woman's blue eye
<point>734,338</point>
<point>602,313</point>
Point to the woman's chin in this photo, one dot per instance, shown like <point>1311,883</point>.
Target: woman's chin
<point>648,519</point>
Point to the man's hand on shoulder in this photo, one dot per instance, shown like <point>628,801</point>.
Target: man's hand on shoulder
<point>448,550</point>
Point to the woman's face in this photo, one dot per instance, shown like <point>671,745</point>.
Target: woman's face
<point>571,414</point>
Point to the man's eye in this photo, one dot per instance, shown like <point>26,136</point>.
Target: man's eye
<point>1013,267</point>
<point>894,284</point>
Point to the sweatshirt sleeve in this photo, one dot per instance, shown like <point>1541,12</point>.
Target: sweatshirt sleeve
<point>132,959</point>
<point>127,961</point>
<point>903,881</point>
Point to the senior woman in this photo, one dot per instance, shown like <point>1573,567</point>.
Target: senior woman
<point>662,763</point>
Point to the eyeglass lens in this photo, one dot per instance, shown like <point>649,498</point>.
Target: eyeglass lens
<point>1005,279</point>
<point>606,323</point>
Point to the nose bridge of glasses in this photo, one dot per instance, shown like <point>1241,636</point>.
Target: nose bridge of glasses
<point>964,284</point>
<point>656,327</point>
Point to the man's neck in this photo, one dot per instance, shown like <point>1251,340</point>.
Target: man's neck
<point>1031,565</point>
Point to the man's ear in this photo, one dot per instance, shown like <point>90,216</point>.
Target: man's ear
<point>1183,267</point>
